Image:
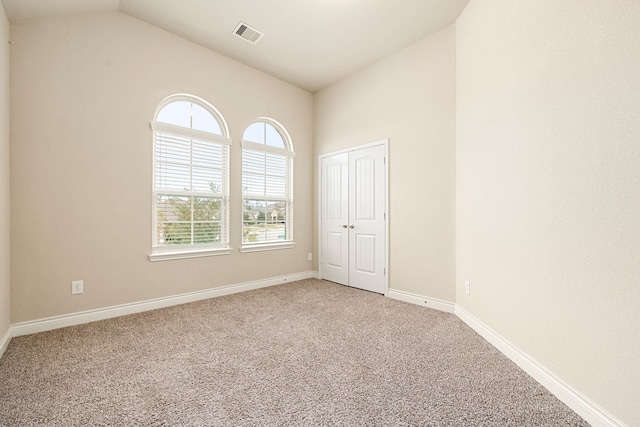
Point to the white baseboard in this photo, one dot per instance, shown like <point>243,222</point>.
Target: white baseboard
<point>4,342</point>
<point>56,322</point>
<point>579,403</point>
<point>437,304</point>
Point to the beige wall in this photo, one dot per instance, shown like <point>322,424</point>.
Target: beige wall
<point>408,97</point>
<point>5,294</point>
<point>84,90</point>
<point>548,186</point>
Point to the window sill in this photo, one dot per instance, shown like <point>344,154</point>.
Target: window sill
<point>260,247</point>
<point>168,256</point>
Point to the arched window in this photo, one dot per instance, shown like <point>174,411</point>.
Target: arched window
<point>267,193</point>
<point>190,185</point>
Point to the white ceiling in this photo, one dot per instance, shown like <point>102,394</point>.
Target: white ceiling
<point>309,43</point>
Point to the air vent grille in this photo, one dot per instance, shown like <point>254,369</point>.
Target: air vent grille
<point>246,32</point>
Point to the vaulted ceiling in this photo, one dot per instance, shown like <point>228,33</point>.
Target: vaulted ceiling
<point>309,43</point>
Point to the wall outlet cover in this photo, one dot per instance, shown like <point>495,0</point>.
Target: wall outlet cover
<point>77,287</point>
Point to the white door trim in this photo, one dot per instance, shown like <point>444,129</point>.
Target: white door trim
<point>384,142</point>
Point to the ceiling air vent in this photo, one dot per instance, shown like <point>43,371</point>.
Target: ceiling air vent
<point>246,32</point>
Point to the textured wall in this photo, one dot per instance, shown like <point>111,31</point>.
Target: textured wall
<point>84,90</point>
<point>548,181</point>
<point>408,97</point>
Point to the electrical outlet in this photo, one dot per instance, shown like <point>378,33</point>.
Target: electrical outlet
<point>77,287</point>
<point>467,287</point>
<point>310,257</point>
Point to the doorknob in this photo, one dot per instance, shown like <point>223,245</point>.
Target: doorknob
<point>344,226</point>
<point>351,226</point>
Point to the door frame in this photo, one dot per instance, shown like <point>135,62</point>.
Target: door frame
<point>385,143</point>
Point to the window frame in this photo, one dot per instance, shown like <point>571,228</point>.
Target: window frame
<point>287,152</point>
<point>172,252</point>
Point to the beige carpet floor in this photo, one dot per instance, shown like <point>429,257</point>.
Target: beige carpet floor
<point>308,353</point>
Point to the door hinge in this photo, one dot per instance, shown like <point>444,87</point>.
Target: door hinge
<point>384,271</point>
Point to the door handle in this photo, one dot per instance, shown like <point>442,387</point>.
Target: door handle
<point>344,226</point>
<point>352,226</point>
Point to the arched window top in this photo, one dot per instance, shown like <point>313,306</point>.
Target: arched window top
<point>191,112</point>
<point>268,133</point>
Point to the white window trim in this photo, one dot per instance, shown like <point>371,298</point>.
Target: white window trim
<point>160,255</point>
<point>286,152</point>
<point>254,146</point>
<point>181,132</point>
<point>168,253</point>
<point>261,247</point>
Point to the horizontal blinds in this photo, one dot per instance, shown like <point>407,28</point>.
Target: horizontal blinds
<point>190,166</point>
<point>265,174</point>
<point>267,204</point>
<point>190,191</point>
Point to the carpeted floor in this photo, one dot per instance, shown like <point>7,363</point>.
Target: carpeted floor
<point>307,353</point>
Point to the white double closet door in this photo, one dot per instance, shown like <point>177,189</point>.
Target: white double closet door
<point>353,218</point>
